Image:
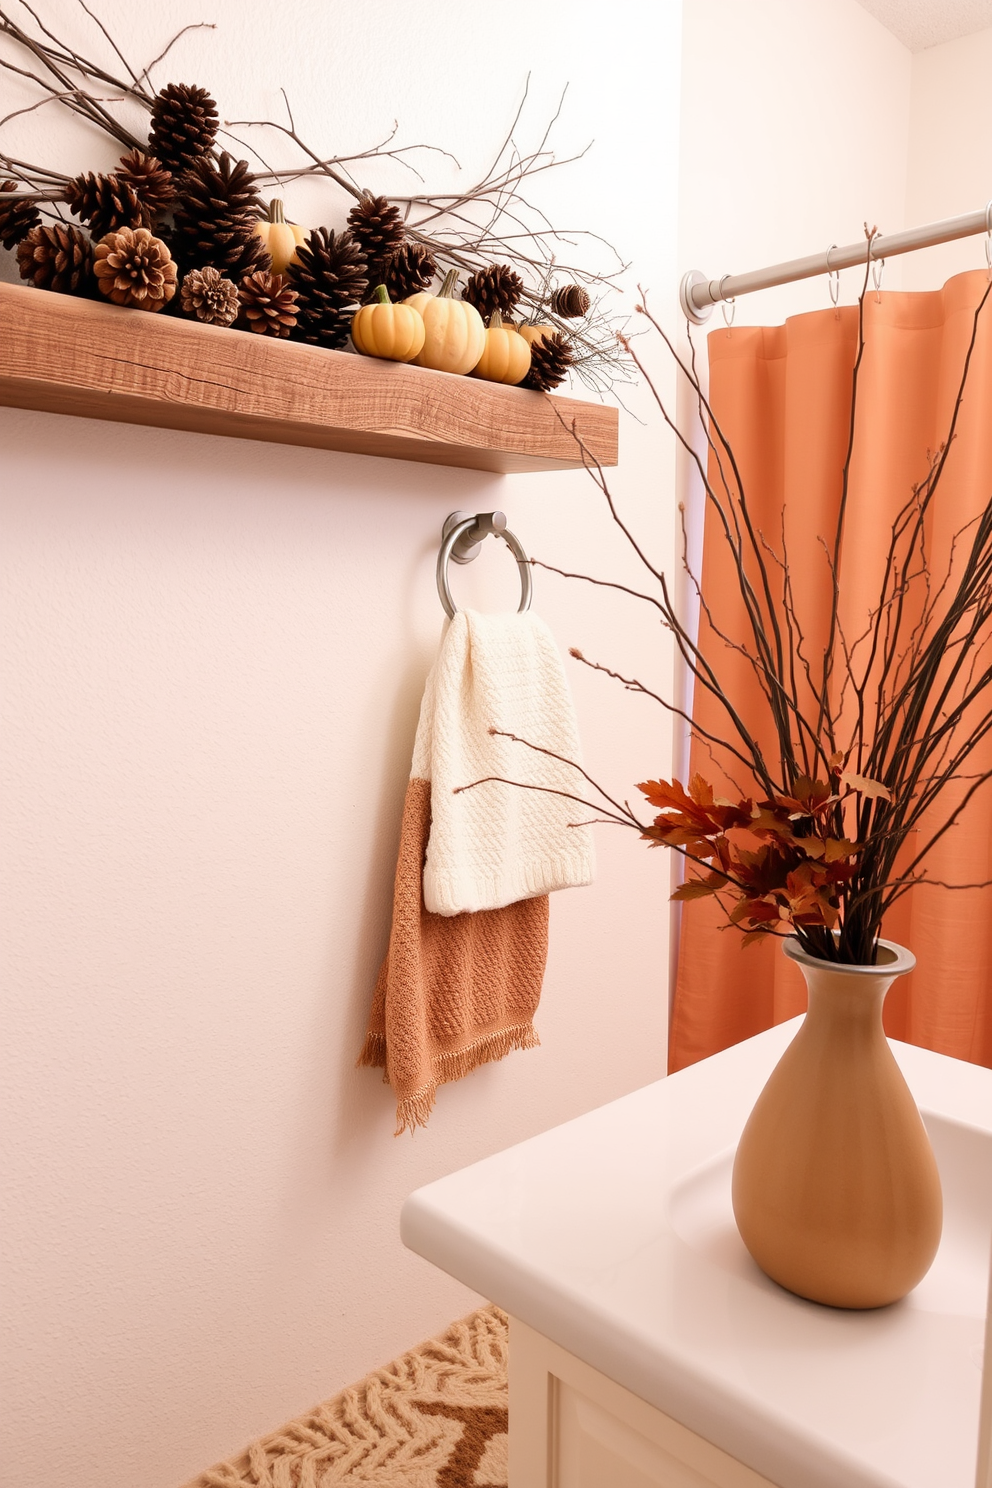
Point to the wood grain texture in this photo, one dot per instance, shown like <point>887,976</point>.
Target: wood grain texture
<point>62,355</point>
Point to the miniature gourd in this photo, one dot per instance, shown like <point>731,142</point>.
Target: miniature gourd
<point>532,333</point>
<point>280,237</point>
<point>455,335</point>
<point>506,357</point>
<point>383,329</point>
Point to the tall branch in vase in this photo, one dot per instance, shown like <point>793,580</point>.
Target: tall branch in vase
<point>874,745</point>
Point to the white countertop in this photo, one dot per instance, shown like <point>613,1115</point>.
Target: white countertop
<point>613,1236</point>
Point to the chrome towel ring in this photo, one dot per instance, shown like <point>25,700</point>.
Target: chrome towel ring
<point>460,540</point>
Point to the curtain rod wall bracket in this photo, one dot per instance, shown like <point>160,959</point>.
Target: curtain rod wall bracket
<point>698,314</point>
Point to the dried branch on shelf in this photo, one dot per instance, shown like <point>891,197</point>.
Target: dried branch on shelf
<point>489,230</point>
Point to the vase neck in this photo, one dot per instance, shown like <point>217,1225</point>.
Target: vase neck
<point>850,994</point>
<point>840,994</point>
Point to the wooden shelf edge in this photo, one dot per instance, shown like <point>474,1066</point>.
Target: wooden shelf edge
<point>62,355</point>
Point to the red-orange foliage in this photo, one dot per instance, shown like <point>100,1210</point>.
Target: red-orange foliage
<point>780,858</point>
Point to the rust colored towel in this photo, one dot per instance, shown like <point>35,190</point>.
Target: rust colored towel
<point>469,939</point>
<point>455,991</point>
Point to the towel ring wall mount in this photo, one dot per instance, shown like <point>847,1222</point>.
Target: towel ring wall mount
<point>461,538</point>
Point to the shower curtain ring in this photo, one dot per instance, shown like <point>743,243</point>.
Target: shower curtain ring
<point>833,279</point>
<point>726,300</point>
<point>877,270</point>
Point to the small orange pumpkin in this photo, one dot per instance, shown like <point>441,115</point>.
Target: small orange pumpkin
<point>382,329</point>
<point>532,333</point>
<point>280,237</point>
<point>507,355</point>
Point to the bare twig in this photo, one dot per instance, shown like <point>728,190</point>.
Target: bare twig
<point>907,700</point>
<point>467,227</point>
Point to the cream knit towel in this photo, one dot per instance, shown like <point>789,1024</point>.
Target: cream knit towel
<point>459,989</point>
<point>496,844</point>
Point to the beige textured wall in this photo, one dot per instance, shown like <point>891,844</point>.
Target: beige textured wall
<point>794,129</point>
<point>213,655</point>
<point>795,121</point>
<point>950,154</point>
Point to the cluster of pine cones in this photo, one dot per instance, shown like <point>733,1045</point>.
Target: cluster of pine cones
<point>211,263</point>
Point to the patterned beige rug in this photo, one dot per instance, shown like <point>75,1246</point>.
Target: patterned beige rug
<point>434,1418</point>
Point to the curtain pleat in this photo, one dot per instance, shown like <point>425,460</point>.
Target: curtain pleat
<point>782,397</point>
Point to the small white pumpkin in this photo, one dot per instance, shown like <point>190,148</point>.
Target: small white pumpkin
<point>455,336</point>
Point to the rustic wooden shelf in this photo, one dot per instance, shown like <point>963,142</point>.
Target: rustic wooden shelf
<point>64,355</point>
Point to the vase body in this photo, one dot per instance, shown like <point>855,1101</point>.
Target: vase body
<point>836,1191</point>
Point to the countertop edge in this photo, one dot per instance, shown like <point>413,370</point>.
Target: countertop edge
<point>700,1403</point>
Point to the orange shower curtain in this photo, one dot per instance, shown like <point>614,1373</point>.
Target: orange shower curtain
<point>782,396</point>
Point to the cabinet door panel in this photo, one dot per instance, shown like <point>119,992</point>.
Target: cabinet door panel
<point>572,1427</point>
<point>595,1449</point>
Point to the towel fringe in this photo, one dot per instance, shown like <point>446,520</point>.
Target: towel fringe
<point>373,1055</point>
<point>414,1110</point>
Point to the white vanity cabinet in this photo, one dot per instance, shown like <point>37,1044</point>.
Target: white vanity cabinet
<point>646,1348</point>
<point>571,1427</point>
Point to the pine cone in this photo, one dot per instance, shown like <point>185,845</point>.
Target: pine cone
<point>268,303</point>
<point>329,276</point>
<point>408,270</point>
<point>153,184</point>
<point>210,297</point>
<point>550,359</point>
<point>496,287</point>
<point>166,233</point>
<point>133,268</point>
<point>184,126</point>
<point>59,257</point>
<point>569,302</point>
<point>331,330</point>
<point>216,213</point>
<point>17,218</point>
<point>377,228</point>
<point>104,203</point>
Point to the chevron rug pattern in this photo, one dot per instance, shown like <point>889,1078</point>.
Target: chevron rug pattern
<point>433,1418</point>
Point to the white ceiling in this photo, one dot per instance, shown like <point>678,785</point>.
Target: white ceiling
<point>925,23</point>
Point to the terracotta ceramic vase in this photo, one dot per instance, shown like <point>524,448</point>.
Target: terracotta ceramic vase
<point>836,1191</point>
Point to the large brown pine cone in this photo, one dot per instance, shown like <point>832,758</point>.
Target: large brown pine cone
<point>17,218</point>
<point>184,126</point>
<point>59,257</point>
<point>495,287</point>
<point>377,227</point>
<point>569,301</point>
<point>104,203</point>
<point>330,330</point>
<point>268,304</point>
<point>329,276</point>
<point>215,216</point>
<point>154,185</point>
<point>213,299</point>
<point>408,270</point>
<point>550,359</point>
<point>134,268</point>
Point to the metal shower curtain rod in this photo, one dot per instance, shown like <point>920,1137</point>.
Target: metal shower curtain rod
<point>698,295</point>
